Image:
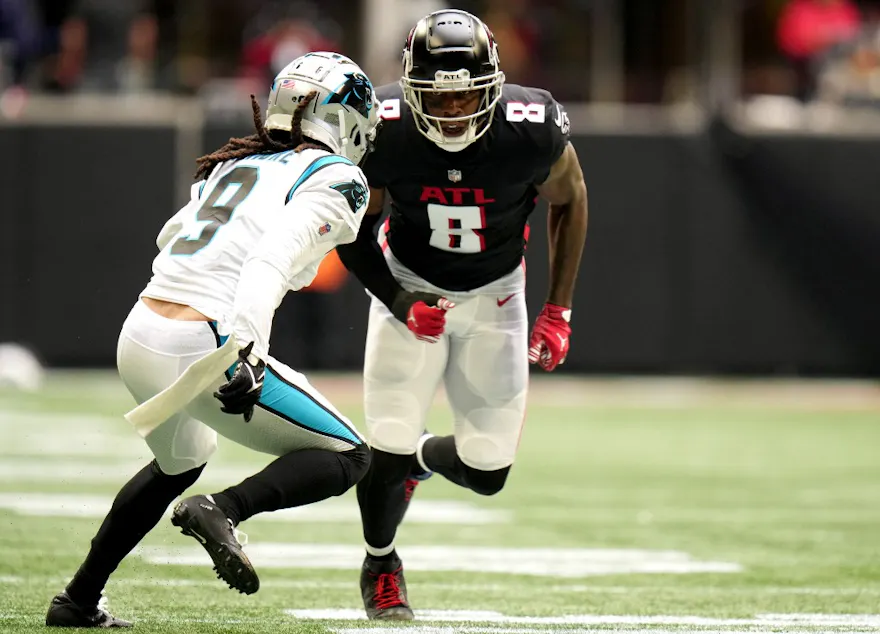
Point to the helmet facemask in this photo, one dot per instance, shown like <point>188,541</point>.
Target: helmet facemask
<point>451,51</point>
<point>459,81</point>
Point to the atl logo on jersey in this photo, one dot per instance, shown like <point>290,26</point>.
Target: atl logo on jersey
<point>455,195</point>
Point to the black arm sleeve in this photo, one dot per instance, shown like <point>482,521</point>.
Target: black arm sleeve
<point>364,258</point>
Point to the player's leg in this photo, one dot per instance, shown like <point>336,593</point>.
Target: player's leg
<point>401,375</point>
<point>321,454</point>
<point>138,507</point>
<point>152,353</point>
<point>486,383</point>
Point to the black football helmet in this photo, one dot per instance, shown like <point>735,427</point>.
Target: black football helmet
<point>451,51</point>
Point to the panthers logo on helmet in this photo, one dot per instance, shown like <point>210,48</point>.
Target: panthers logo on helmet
<point>356,91</point>
<point>354,192</point>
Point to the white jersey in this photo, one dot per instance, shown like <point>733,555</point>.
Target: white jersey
<point>254,229</point>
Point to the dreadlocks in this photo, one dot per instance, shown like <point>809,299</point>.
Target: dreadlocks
<point>260,143</point>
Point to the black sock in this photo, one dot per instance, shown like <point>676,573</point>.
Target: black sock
<point>382,497</point>
<point>138,507</point>
<point>439,455</point>
<point>295,479</point>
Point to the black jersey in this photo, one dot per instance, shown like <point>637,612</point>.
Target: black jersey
<point>458,219</point>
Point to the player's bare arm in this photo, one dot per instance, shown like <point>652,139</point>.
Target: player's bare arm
<point>566,192</point>
<point>377,203</point>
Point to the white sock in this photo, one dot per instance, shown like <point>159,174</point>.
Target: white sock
<point>419,447</point>
<point>380,552</point>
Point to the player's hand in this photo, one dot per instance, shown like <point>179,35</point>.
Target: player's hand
<point>423,313</point>
<point>548,345</point>
<point>242,391</point>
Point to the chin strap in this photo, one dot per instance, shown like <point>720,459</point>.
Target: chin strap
<point>443,142</point>
<point>454,147</point>
<point>344,139</point>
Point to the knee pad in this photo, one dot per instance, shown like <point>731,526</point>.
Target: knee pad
<point>390,468</point>
<point>356,462</point>
<point>180,482</point>
<point>485,482</point>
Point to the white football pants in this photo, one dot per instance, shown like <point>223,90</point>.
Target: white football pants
<point>482,359</point>
<point>154,351</point>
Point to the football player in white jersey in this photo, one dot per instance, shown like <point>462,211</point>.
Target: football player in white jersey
<point>264,212</point>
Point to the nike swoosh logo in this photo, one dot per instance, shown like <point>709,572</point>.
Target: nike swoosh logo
<point>558,119</point>
<point>501,302</point>
<point>197,536</point>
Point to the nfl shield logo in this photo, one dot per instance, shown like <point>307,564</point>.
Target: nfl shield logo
<point>454,175</point>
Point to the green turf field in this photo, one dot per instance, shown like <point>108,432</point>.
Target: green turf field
<point>666,506</point>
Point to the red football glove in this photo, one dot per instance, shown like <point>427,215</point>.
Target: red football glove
<point>548,345</point>
<point>423,313</point>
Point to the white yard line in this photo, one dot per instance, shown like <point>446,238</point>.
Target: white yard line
<point>17,418</point>
<point>588,624</point>
<point>576,588</point>
<point>541,562</point>
<point>663,392</point>
<point>423,629</point>
<point>465,616</point>
<point>570,391</point>
<point>71,473</point>
<point>57,433</point>
<point>12,579</point>
<point>91,472</point>
<point>431,512</point>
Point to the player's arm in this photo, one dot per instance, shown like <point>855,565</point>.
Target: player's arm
<point>364,259</point>
<point>566,192</point>
<point>312,223</point>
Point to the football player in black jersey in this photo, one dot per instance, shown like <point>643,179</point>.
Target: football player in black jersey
<point>463,157</point>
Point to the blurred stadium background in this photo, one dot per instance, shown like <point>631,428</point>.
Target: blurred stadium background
<point>719,407</point>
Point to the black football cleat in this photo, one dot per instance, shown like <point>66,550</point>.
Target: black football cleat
<point>63,612</point>
<point>384,589</point>
<point>201,519</point>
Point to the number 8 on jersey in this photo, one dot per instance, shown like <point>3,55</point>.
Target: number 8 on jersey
<point>457,228</point>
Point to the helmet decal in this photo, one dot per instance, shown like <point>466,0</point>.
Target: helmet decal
<point>354,192</point>
<point>342,117</point>
<point>356,91</point>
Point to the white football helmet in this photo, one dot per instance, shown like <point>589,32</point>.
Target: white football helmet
<point>345,114</point>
